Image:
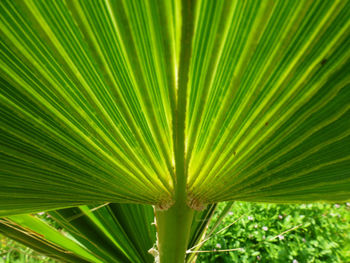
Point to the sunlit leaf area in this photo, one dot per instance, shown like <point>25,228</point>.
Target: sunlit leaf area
<point>132,130</point>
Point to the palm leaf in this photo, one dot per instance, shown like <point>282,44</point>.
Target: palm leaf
<point>36,234</point>
<point>175,104</point>
<point>105,233</point>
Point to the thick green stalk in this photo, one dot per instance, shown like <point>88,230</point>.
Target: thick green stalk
<point>174,224</point>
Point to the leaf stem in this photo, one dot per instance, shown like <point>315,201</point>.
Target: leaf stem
<point>174,224</point>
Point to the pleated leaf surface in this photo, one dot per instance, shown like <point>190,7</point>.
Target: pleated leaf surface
<point>89,92</point>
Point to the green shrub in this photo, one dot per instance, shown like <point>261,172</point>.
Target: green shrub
<point>323,234</point>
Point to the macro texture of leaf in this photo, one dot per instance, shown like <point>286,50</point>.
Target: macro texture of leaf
<point>100,99</point>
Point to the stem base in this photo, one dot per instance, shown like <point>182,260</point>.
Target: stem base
<point>173,227</point>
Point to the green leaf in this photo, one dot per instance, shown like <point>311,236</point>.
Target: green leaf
<point>114,232</point>
<point>269,98</point>
<point>85,103</point>
<point>36,234</point>
<point>105,233</point>
<point>106,101</point>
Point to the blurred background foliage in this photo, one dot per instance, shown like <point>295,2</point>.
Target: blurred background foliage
<point>14,252</point>
<point>318,233</point>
